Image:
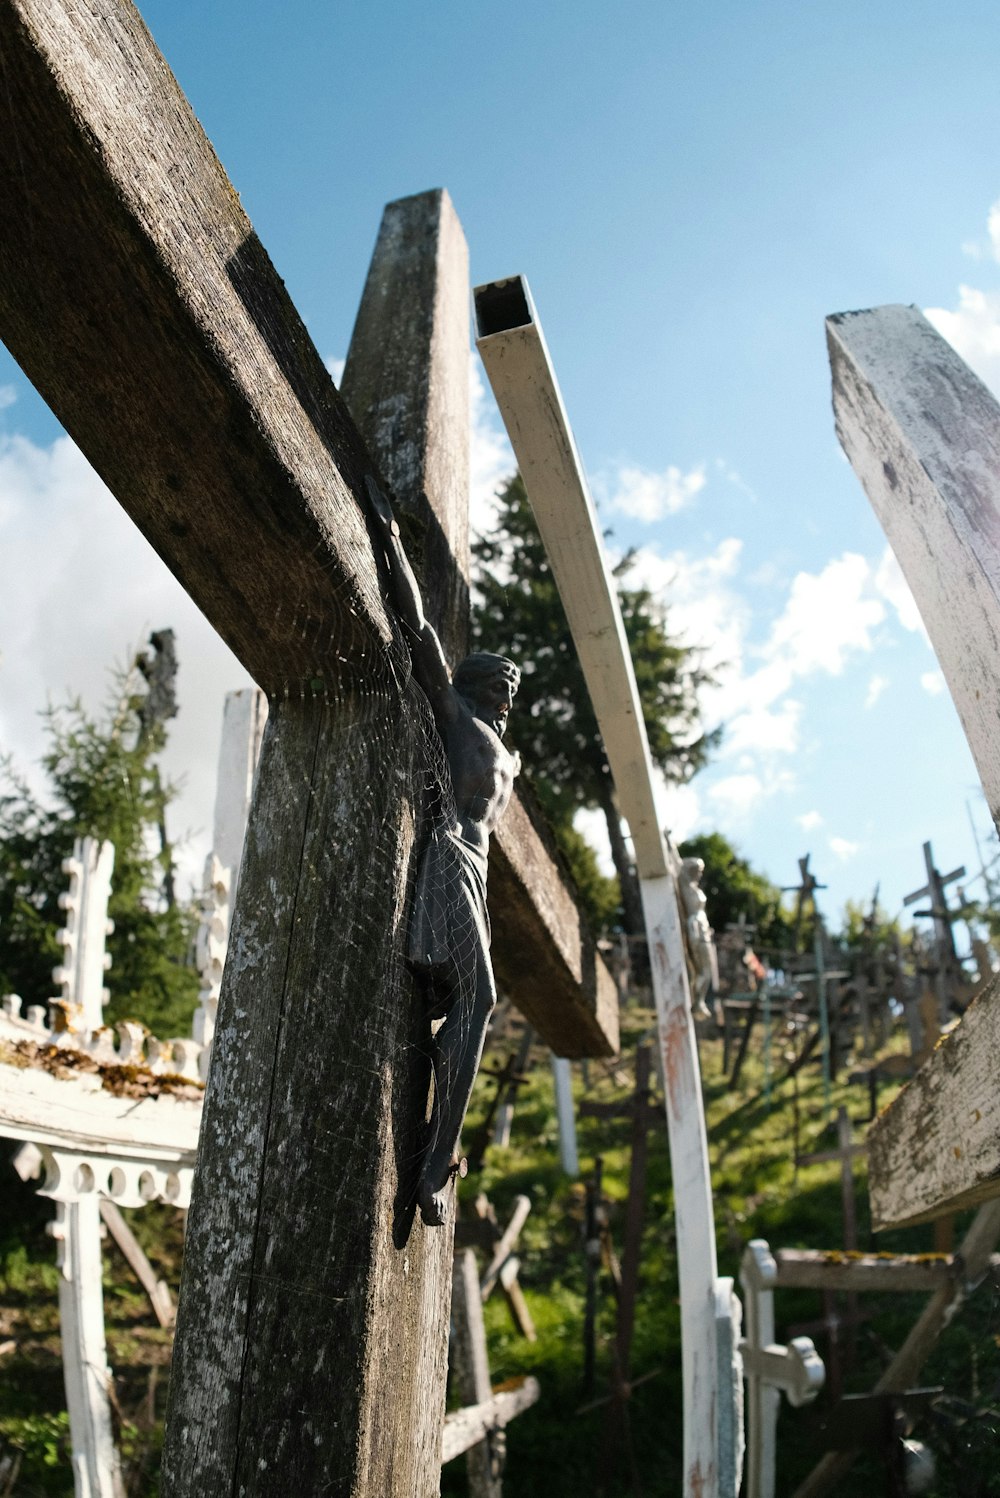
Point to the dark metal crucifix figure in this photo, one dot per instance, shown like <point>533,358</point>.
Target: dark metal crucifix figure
<point>448,944</point>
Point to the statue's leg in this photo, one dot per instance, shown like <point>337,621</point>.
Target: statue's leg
<point>456,1051</point>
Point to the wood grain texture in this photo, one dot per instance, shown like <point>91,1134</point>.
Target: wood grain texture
<point>923,435</point>
<point>312,1343</point>
<point>484,1457</point>
<point>305,1290</point>
<point>408,390</point>
<point>936,1147</point>
<point>812,1269</point>
<point>544,954</point>
<point>140,303</point>
<point>136,297</point>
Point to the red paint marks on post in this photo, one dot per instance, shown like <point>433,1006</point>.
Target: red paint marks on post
<point>674,1042</point>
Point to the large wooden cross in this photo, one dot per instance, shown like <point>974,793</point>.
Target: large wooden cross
<point>923,434</point>
<point>312,1326</point>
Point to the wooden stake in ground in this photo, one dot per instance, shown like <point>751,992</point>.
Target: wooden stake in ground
<point>845,1153</point>
<point>478,1428</point>
<point>947,968</point>
<point>643,1113</point>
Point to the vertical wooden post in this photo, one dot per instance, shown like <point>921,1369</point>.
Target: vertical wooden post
<point>484,1460</point>
<point>312,1324</point>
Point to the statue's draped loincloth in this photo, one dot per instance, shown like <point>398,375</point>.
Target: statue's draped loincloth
<point>449,925</point>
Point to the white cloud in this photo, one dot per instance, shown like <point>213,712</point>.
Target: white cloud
<point>933,682</point>
<point>770,730</point>
<point>336,369</point>
<point>876,687</point>
<point>808,820</point>
<point>829,616</point>
<point>842,849</point>
<point>82,589</point>
<point>737,797</point>
<point>973,330</point>
<point>648,496</point>
<point>8,395</point>
<point>705,609</point>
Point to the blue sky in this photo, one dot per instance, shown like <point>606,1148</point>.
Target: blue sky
<point>689,190</point>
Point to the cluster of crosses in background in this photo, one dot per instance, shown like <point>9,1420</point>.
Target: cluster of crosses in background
<point>230,428</point>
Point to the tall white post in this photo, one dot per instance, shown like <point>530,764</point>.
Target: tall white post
<point>243,720</point>
<point>517,362</point>
<point>77,1230</point>
<point>797,1371</point>
<point>562,1077</point>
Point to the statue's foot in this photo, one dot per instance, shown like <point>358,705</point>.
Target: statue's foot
<point>433,1204</point>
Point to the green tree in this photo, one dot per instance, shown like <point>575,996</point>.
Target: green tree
<point>733,888</point>
<point>103,781</point>
<point>517,610</point>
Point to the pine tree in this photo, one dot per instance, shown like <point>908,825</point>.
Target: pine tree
<point>517,611</point>
<point>104,782</point>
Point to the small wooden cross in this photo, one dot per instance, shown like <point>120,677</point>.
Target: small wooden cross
<point>947,968</point>
<point>645,1114</point>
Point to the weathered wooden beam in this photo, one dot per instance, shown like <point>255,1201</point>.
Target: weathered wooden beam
<point>464,1428</point>
<point>138,300</point>
<point>923,435</point>
<point>77,1112</point>
<point>157,1290</point>
<point>544,954</point>
<point>936,1148</point>
<point>312,1323</point>
<point>812,1269</point>
<point>406,390</point>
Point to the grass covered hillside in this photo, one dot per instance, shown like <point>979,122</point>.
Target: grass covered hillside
<point>554,1450</point>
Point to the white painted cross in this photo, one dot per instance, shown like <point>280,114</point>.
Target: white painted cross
<point>517,362</point>
<point>770,1369</point>
<point>85,961</point>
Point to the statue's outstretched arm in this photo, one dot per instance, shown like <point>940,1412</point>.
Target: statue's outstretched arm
<point>429,664</point>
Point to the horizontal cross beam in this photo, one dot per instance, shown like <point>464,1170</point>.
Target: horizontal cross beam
<point>139,301</point>
<point>935,1148</point>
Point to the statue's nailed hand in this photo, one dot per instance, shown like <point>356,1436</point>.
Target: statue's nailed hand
<point>382,507</point>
